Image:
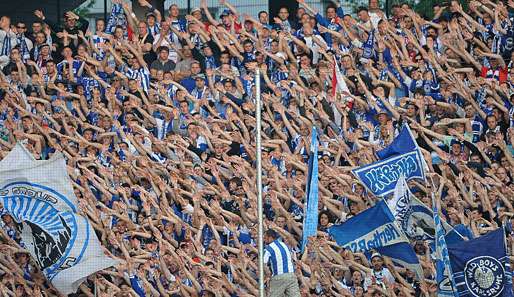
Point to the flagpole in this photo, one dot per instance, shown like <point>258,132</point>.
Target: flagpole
<point>259,179</point>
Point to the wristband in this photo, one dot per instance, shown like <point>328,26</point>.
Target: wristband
<point>150,8</point>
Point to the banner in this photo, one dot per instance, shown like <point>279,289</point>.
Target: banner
<point>310,223</point>
<point>481,266</point>
<point>380,178</point>
<point>40,198</point>
<point>376,229</point>
<point>368,46</point>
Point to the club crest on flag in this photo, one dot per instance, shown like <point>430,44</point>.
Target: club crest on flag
<point>484,276</point>
<point>47,233</point>
<point>417,224</point>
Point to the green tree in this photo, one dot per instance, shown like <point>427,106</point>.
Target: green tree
<point>422,7</point>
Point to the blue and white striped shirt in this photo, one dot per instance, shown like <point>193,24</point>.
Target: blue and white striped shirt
<point>142,75</point>
<point>97,40</point>
<point>280,257</point>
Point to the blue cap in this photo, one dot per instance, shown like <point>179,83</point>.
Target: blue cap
<point>454,141</point>
<point>225,12</point>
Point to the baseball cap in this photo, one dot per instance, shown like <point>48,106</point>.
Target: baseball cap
<point>225,12</point>
<point>376,255</point>
<point>454,141</point>
<point>382,111</point>
<point>199,76</point>
<point>195,9</point>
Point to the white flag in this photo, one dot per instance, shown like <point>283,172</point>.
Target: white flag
<point>401,198</point>
<point>40,198</point>
<point>413,216</point>
<point>19,156</point>
<point>338,83</point>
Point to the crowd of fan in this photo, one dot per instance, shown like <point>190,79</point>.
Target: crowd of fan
<point>156,118</point>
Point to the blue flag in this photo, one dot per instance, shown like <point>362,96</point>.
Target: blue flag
<point>403,143</point>
<point>481,266</point>
<point>376,229</point>
<point>310,223</point>
<point>381,177</point>
<point>444,277</point>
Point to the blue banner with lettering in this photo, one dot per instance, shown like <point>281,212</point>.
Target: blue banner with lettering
<point>380,178</point>
<point>376,229</point>
<point>481,266</point>
<point>310,224</point>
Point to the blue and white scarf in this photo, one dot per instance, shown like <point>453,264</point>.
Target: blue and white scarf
<point>367,47</point>
<point>6,46</point>
<point>117,18</point>
<point>24,49</point>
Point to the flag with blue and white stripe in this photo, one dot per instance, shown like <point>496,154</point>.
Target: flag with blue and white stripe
<point>444,277</point>
<point>40,198</point>
<point>310,222</point>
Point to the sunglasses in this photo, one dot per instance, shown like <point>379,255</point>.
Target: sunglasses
<point>21,27</point>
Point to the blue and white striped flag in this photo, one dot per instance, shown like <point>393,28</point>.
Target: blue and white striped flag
<point>444,277</point>
<point>310,222</point>
<point>116,18</point>
<point>40,198</point>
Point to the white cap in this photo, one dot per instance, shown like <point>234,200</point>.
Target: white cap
<point>376,255</point>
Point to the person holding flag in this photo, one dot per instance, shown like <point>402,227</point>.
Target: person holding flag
<point>376,229</point>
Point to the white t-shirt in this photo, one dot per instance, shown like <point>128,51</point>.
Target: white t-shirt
<point>380,276</point>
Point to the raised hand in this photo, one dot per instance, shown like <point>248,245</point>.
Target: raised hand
<point>143,3</point>
<point>38,13</point>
